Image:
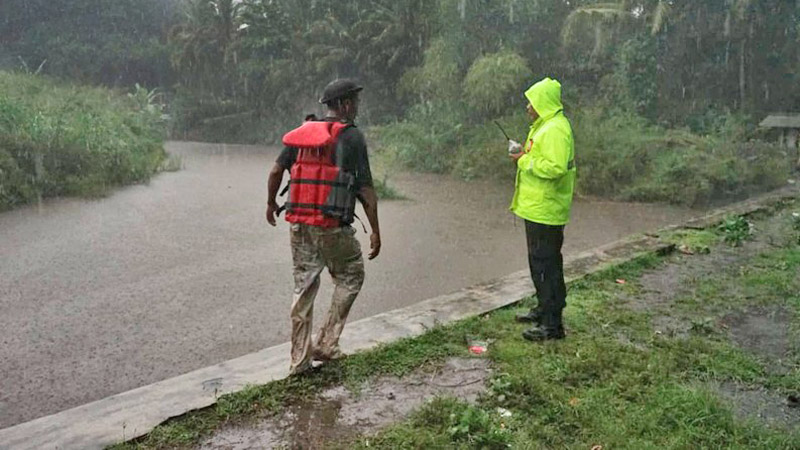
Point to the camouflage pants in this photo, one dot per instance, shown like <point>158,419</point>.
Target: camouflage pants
<point>313,249</point>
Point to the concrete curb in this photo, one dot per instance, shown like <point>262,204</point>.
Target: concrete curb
<point>135,413</point>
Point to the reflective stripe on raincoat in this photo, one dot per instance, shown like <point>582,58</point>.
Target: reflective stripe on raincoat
<point>546,172</point>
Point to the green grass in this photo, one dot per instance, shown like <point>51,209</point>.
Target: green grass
<point>612,382</point>
<point>644,391</point>
<point>694,241</point>
<point>58,139</point>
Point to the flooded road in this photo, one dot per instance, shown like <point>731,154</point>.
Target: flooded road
<point>102,296</point>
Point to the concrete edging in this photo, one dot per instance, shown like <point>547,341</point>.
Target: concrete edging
<point>135,413</point>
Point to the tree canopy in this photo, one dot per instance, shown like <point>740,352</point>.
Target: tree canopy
<point>669,60</point>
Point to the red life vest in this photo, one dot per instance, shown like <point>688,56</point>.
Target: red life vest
<point>320,193</point>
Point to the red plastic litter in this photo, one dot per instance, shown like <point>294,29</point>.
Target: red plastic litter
<point>477,349</point>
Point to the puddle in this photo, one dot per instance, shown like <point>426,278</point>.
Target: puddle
<point>338,414</point>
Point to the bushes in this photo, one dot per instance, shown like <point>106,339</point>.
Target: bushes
<point>58,140</point>
<point>428,139</point>
<point>621,156</point>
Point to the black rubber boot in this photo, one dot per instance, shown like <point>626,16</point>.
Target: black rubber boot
<point>551,328</point>
<point>539,334</point>
<point>533,316</point>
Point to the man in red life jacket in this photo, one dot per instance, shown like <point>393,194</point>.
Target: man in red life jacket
<point>329,169</point>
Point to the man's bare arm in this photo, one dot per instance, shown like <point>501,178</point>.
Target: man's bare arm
<point>369,199</point>
<point>273,184</point>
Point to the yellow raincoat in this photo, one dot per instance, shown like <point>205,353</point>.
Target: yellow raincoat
<point>546,172</point>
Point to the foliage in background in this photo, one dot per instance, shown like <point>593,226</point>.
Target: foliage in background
<point>493,83</point>
<point>669,59</point>
<point>622,156</point>
<point>63,140</point>
<point>664,94</point>
<point>114,43</point>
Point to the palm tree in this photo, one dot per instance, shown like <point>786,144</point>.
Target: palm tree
<point>608,18</point>
<point>601,17</point>
<point>204,41</point>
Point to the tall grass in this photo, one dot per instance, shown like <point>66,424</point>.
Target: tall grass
<point>57,139</point>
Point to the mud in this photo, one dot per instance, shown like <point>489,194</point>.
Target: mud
<point>763,331</point>
<point>683,273</point>
<point>759,404</point>
<point>660,288</point>
<point>338,414</point>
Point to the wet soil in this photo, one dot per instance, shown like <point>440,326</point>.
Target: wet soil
<point>338,414</point>
<point>662,287</point>
<point>762,330</point>
<point>757,403</point>
<point>766,331</point>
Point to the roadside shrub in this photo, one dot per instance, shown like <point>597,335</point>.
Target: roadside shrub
<point>428,139</point>
<point>622,156</point>
<point>619,154</point>
<point>735,230</point>
<point>67,140</point>
<point>485,153</point>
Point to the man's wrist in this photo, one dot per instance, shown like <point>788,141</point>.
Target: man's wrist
<point>272,204</point>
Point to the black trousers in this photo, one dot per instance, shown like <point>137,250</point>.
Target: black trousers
<point>547,270</point>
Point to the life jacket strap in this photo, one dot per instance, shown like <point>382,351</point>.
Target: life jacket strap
<point>313,206</point>
<point>318,182</point>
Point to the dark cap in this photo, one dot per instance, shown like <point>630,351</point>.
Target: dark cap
<point>339,88</point>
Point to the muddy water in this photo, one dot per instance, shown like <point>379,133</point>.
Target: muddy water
<point>338,414</point>
<point>102,296</point>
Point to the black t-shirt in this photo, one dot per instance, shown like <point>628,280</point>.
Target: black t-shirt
<point>351,156</point>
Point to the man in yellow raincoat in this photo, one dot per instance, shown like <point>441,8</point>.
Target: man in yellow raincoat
<point>542,197</point>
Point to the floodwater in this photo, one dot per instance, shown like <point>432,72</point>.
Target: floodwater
<point>102,296</point>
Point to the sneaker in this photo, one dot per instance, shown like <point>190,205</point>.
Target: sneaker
<point>544,334</point>
<point>320,355</point>
<point>533,316</point>
<point>300,369</point>
<point>313,366</point>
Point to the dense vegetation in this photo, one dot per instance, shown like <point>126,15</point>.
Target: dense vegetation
<point>62,140</point>
<point>116,43</point>
<point>664,94</point>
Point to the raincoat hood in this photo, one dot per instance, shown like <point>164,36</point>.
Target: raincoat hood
<point>545,97</point>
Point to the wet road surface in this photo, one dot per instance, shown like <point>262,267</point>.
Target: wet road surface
<point>102,296</point>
